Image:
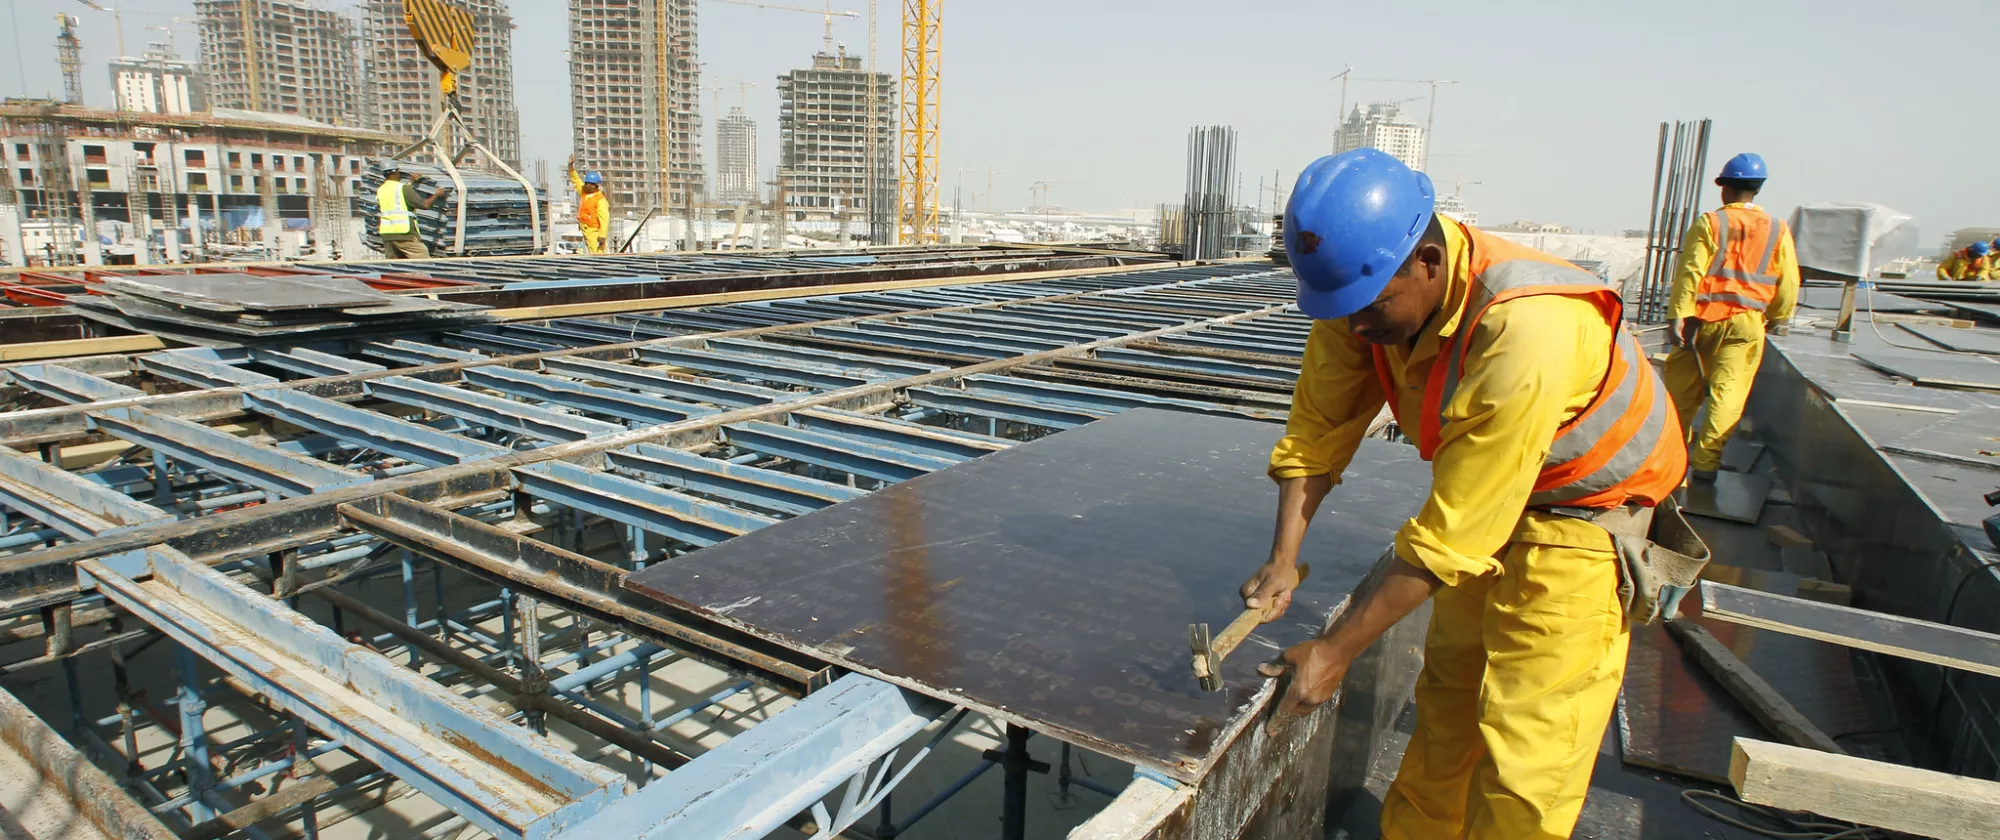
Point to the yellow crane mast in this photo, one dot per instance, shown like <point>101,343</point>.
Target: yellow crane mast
<point>917,222</point>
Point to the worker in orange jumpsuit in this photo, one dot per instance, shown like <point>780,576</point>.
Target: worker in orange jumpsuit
<point>1739,276</point>
<point>1972,262</point>
<point>1551,441</point>
<point>593,210</point>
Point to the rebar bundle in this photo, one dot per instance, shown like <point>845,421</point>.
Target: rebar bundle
<point>1211,180</point>
<point>1677,180</point>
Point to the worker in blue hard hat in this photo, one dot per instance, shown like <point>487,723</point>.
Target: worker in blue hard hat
<point>593,209</point>
<point>1972,262</point>
<point>1550,440</point>
<point>1738,276</point>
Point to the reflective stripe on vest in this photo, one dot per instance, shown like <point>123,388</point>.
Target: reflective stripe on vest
<point>395,212</point>
<point>1744,237</point>
<point>1624,447</point>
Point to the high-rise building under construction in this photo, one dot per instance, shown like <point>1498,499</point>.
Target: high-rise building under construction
<point>1381,126</point>
<point>635,100</point>
<point>402,95</point>
<point>280,57</point>
<point>735,157</point>
<point>823,136</point>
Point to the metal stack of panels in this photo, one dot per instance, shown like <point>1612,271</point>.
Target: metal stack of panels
<point>222,309</point>
<point>497,216</point>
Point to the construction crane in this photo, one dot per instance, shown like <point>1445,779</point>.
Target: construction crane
<point>1430,120</point>
<point>917,222</point>
<point>827,13</point>
<point>444,34</point>
<point>69,56</point>
<point>1038,192</point>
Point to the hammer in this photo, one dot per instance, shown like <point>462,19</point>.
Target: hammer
<point>1208,654</point>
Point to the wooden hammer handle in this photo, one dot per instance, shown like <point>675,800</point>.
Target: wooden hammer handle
<point>1240,629</point>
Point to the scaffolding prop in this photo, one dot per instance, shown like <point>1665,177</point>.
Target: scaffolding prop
<point>445,35</point>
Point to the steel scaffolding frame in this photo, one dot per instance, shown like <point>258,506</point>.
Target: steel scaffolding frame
<point>546,461</point>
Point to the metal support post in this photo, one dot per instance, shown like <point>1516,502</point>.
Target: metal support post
<point>410,597</point>
<point>302,773</point>
<point>534,684</point>
<point>121,684</point>
<point>194,740</point>
<point>1016,765</point>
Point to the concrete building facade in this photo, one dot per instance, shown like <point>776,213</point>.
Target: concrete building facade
<point>735,157</point>
<point>281,57</point>
<point>823,130</point>
<point>181,184</point>
<point>635,101</point>
<point>1381,126</point>
<point>401,87</point>
<point>159,83</point>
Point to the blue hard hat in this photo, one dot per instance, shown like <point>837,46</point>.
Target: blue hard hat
<point>1748,166</point>
<point>1352,220</point>
<point>1978,248</point>
<point>592,177</point>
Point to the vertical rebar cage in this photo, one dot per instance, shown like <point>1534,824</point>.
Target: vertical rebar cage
<point>1677,174</point>
<point>1211,180</point>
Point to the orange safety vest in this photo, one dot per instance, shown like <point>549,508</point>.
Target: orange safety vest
<point>1625,447</point>
<point>588,212</point>
<point>1740,277</point>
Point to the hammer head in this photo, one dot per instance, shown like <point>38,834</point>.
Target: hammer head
<point>1207,668</point>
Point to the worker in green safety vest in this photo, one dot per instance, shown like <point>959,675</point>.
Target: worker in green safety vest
<point>398,229</point>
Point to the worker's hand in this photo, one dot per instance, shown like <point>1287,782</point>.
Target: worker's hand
<point>1312,672</point>
<point>1270,589</point>
<point>1684,332</point>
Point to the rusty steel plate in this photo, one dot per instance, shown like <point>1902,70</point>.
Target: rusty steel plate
<point>1051,584</point>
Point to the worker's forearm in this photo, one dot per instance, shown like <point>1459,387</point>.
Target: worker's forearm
<point>1298,500</point>
<point>1378,603</point>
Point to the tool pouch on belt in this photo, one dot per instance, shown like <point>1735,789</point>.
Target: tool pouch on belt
<point>1659,559</point>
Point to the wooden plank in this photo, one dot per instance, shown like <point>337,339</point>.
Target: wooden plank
<point>1867,792</point>
<point>1910,638</point>
<point>1763,702</point>
<point>67,348</point>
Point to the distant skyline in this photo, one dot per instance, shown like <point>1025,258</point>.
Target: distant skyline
<point>1556,111</point>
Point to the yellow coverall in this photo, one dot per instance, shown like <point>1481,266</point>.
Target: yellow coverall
<point>1961,266</point>
<point>1726,353</point>
<point>593,234</point>
<point>1527,639</point>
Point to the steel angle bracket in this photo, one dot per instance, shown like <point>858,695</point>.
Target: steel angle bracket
<point>498,776</point>
<point>846,734</point>
<point>575,582</point>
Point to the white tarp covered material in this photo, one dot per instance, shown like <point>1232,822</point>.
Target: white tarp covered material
<point>1845,238</point>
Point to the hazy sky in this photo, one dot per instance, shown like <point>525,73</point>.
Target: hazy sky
<point>1556,112</point>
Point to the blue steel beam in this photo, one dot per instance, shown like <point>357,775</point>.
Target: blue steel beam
<point>845,362</point>
<point>936,345</point>
<point>1039,327</point>
<point>726,394</point>
<point>756,781</point>
<point>311,363</point>
<point>1215,343</point>
<point>990,338</point>
<point>413,442</point>
<point>496,775</point>
<point>846,454</point>
<point>925,440</point>
<point>660,511</point>
<point>70,385</point>
<point>501,344</point>
<point>406,352</point>
<point>1198,363</point>
<point>988,405</point>
<point>184,366</point>
<point>76,506</point>
<point>611,402</point>
<point>774,490</point>
<point>1105,400</point>
<point>485,410</point>
<point>259,465</point>
<point>750,367</point>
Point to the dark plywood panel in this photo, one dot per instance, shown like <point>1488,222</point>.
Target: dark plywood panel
<point>1673,716</point>
<point>1941,370</point>
<point>1052,584</point>
<point>1970,437</point>
<point>1738,497</point>
<point>1952,338</point>
<point>1741,454</point>
<point>1828,298</point>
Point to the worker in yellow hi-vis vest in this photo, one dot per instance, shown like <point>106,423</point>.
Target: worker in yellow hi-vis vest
<point>401,240</point>
<point>1739,274</point>
<point>593,210</point>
